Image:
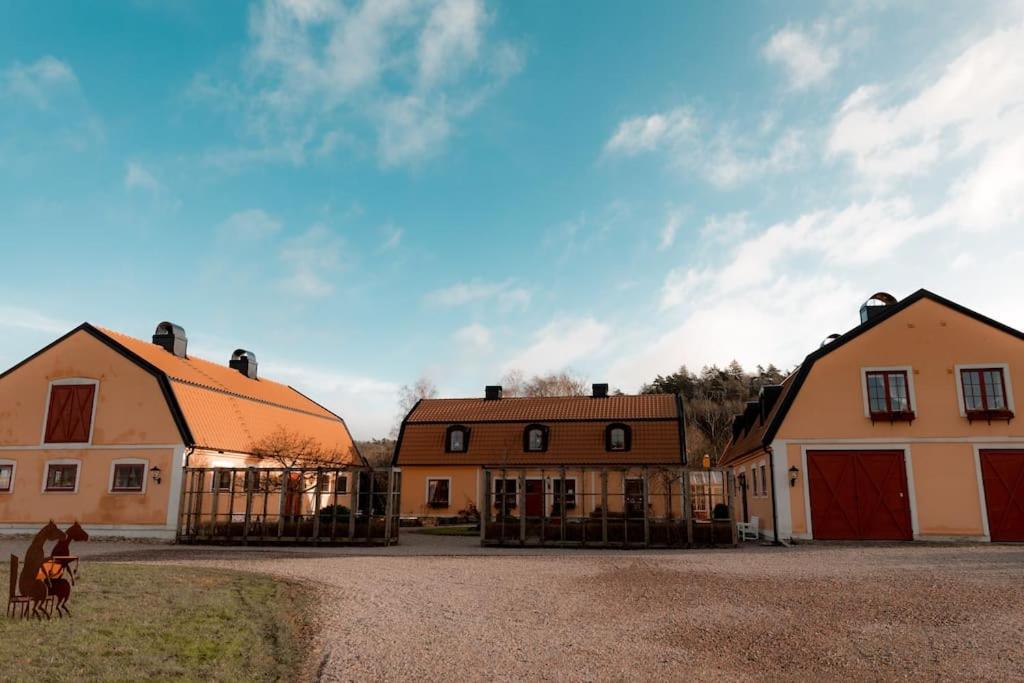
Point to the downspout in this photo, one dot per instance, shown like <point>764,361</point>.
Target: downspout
<point>188,454</point>
<point>775,513</point>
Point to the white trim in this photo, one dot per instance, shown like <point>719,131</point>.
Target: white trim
<point>14,473</point>
<point>426,486</point>
<point>908,463</point>
<point>142,531</point>
<point>549,490</point>
<point>958,378</point>
<point>175,485</point>
<point>982,495</point>
<point>128,461</point>
<point>62,461</point>
<point>95,447</point>
<point>911,394</point>
<point>780,489</point>
<point>807,495</point>
<point>65,381</point>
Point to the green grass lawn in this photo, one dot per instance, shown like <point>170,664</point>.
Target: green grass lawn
<point>133,622</point>
<point>454,530</point>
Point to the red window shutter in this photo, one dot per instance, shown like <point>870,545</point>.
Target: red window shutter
<point>70,414</point>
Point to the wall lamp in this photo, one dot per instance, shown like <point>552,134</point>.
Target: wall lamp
<point>154,472</point>
<point>793,474</point>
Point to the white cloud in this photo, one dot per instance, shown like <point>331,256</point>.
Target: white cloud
<point>313,259</point>
<point>670,230</point>
<point>713,151</point>
<point>559,344</point>
<point>39,81</point>
<point>393,237</point>
<point>648,133</point>
<point>474,337</point>
<point>506,293</point>
<point>34,321</point>
<point>808,56</point>
<point>319,72</point>
<point>252,224</point>
<point>136,176</point>
<point>726,229</point>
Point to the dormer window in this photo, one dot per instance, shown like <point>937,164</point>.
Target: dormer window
<point>888,393</point>
<point>618,437</point>
<point>535,439</point>
<point>456,439</point>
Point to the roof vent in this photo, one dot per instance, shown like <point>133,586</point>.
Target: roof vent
<point>829,339</point>
<point>492,392</point>
<point>244,361</point>
<point>875,306</point>
<point>172,338</point>
<point>769,395</point>
<point>737,425</point>
<point>600,390</point>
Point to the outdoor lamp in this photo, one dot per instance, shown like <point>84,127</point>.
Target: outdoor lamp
<point>155,472</point>
<point>793,473</point>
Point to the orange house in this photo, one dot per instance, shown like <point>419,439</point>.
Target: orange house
<point>98,426</point>
<point>903,428</point>
<point>444,445</point>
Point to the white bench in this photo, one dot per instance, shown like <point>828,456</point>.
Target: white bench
<point>748,531</point>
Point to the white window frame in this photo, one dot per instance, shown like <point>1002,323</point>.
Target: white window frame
<point>763,481</point>
<point>128,461</point>
<point>46,410</point>
<point>959,379</point>
<point>911,394</point>
<point>550,490</point>
<point>14,471</point>
<point>348,484</point>
<point>62,461</point>
<point>217,470</point>
<point>426,490</point>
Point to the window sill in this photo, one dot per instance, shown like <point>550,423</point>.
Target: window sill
<point>439,506</point>
<point>121,492</point>
<point>902,416</point>
<point>60,491</point>
<point>989,415</point>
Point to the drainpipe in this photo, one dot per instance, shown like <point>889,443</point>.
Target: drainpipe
<point>775,513</point>
<point>188,454</point>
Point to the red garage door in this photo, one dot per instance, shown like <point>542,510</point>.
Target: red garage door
<point>1003,475</point>
<point>859,495</point>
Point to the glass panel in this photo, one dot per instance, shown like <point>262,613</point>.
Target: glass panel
<point>876,392</point>
<point>224,480</point>
<point>536,440</point>
<point>570,492</point>
<point>618,439</point>
<point>342,483</point>
<point>994,390</point>
<point>898,392</point>
<point>972,390</point>
<point>128,477</point>
<point>438,492</point>
<point>61,477</point>
<point>456,440</point>
<point>5,477</point>
<point>505,490</point>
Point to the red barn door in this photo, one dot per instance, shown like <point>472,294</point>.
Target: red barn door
<point>1003,475</point>
<point>859,496</point>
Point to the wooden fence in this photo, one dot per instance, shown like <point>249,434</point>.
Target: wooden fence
<point>350,505</point>
<point>608,506</point>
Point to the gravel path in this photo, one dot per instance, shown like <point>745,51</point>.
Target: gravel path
<point>444,608</point>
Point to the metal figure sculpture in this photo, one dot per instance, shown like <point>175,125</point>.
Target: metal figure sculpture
<point>30,585</point>
<point>60,563</point>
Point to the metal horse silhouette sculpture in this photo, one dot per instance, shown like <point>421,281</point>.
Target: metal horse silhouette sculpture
<point>54,568</point>
<point>30,584</point>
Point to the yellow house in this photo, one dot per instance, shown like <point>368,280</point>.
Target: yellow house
<point>903,428</point>
<point>98,426</point>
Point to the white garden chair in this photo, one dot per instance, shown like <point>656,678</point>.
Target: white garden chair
<point>749,530</point>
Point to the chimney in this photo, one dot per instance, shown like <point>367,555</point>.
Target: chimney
<point>769,395</point>
<point>492,392</point>
<point>737,425</point>
<point>172,338</point>
<point>875,306</point>
<point>600,390</point>
<point>244,361</point>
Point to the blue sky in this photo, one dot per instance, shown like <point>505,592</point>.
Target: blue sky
<point>366,193</point>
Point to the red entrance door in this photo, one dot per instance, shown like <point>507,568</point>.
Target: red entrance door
<point>859,495</point>
<point>534,497</point>
<point>1003,475</point>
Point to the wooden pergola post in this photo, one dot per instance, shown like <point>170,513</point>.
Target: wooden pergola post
<point>213,505</point>
<point>285,481</point>
<point>354,506</point>
<point>645,492</point>
<point>604,505</point>
<point>522,507</point>
<point>316,504</point>
<point>687,507</point>
<point>389,505</point>
<point>730,481</point>
<point>485,510</point>
<point>250,476</point>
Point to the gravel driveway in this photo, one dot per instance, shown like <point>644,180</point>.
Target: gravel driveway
<point>443,608</point>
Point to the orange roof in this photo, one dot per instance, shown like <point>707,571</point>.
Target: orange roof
<point>576,430</point>
<point>225,410</point>
<point>644,406</point>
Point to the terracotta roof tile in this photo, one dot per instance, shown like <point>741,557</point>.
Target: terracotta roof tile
<point>644,406</point>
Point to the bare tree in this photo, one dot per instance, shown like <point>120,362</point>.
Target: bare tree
<point>564,383</point>
<point>291,449</point>
<point>377,452</point>
<point>409,395</point>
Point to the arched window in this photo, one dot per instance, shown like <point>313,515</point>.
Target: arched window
<point>535,438</point>
<point>456,439</point>
<point>618,437</point>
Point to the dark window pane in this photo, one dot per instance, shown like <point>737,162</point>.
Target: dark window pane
<point>456,440</point>
<point>129,477</point>
<point>5,477</point>
<point>618,439</point>
<point>437,490</point>
<point>61,477</point>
